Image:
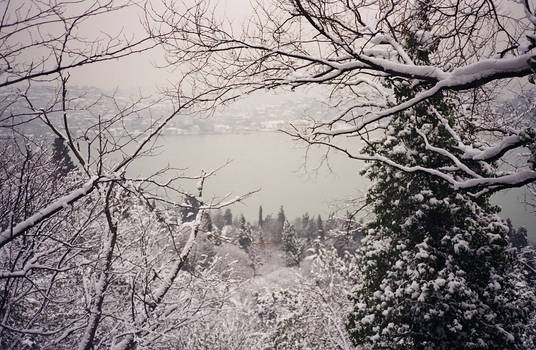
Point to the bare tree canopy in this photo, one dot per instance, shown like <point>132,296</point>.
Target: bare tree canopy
<point>74,272</point>
<point>40,39</point>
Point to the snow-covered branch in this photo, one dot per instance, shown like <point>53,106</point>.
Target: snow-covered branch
<point>30,27</point>
<point>473,182</point>
<point>13,232</point>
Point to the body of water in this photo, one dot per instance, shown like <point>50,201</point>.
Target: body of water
<point>285,174</point>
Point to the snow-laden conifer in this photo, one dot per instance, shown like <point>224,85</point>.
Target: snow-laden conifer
<point>438,272</point>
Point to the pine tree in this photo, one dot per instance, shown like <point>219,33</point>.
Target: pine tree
<point>438,271</point>
<point>60,156</point>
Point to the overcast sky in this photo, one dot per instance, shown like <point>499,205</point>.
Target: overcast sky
<point>139,72</point>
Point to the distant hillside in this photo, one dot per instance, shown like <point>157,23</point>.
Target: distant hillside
<point>265,112</point>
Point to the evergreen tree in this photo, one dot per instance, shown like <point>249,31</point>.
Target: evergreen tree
<point>248,241</point>
<point>228,217</point>
<point>526,253</point>
<point>242,222</point>
<point>518,238</point>
<point>189,211</point>
<point>293,246</point>
<point>217,219</point>
<point>281,218</point>
<point>308,227</point>
<point>438,271</point>
<point>245,237</point>
<point>61,157</point>
<point>320,228</point>
<point>280,223</point>
<point>207,222</point>
<point>260,216</point>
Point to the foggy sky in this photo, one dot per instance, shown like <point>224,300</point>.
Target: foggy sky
<point>139,72</point>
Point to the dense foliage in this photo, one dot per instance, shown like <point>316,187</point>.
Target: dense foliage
<point>438,269</point>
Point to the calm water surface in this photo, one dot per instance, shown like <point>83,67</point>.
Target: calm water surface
<point>285,174</point>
